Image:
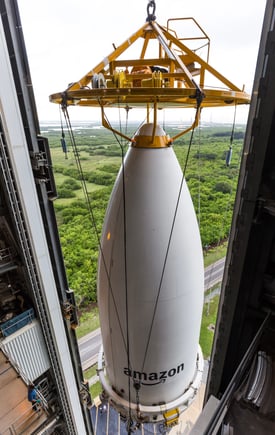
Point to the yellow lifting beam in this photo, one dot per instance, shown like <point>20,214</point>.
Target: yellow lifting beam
<point>174,78</point>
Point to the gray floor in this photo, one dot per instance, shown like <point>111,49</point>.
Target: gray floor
<point>109,422</point>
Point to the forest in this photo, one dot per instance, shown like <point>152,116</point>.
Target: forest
<point>85,171</point>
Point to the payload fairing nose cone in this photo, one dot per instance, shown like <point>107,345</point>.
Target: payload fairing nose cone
<point>150,284</point>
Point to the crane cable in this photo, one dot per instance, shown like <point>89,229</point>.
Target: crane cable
<point>199,172</point>
<point>130,421</point>
<point>135,383</point>
<point>227,161</point>
<point>170,238</point>
<point>90,208</point>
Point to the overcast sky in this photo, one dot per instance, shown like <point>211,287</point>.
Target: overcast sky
<point>66,38</point>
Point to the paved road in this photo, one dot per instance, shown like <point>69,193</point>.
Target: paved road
<point>213,274</point>
<point>90,344</point>
<point>89,347</point>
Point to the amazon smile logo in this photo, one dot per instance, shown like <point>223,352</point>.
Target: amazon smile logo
<point>153,378</point>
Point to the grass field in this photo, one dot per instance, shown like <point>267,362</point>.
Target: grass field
<point>89,321</point>
<point>95,389</point>
<point>208,326</point>
<point>88,163</point>
<point>215,254</point>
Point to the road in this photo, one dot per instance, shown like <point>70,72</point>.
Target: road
<point>90,344</point>
<point>213,274</point>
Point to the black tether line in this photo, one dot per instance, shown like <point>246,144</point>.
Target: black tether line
<point>90,209</point>
<point>169,243</point>
<point>136,385</point>
<point>126,276</point>
<point>125,268</point>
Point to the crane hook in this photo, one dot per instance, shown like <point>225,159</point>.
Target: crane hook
<point>151,16</point>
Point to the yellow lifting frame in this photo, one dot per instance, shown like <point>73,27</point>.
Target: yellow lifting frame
<point>176,87</point>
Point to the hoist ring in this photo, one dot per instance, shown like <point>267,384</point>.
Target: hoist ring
<point>151,17</point>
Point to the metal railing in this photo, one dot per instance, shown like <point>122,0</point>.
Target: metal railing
<point>10,326</point>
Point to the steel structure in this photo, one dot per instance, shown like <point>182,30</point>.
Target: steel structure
<point>167,74</point>
<point>44,348</point>
<point>240,386</point>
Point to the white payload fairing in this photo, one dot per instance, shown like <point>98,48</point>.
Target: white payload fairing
<point>150,277</point>
<point>150,284</point>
